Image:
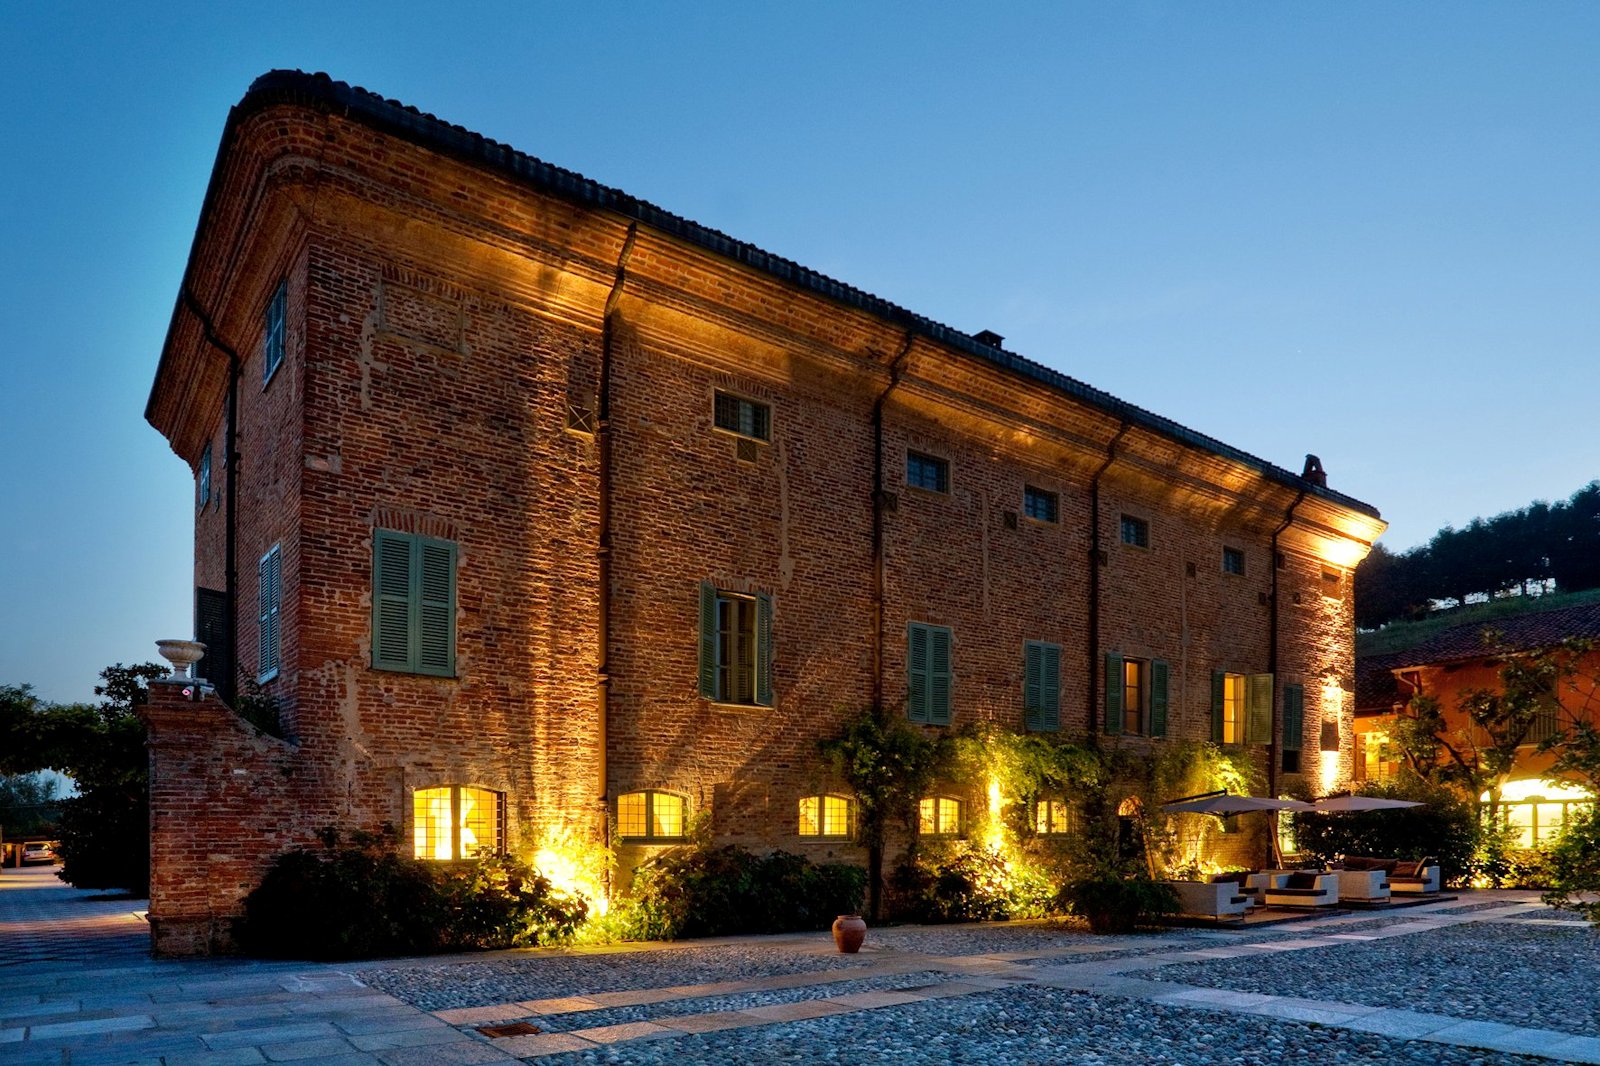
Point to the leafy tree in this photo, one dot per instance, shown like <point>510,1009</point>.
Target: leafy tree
<point>105,829</point>
<point>27,806</point>
<point>1574,867</point>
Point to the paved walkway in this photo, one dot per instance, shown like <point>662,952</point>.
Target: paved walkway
<point>76,986</point>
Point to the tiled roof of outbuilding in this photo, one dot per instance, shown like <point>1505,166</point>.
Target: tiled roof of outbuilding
<point>321,91</point>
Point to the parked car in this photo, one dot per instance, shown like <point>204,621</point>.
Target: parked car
<point>38,851</point>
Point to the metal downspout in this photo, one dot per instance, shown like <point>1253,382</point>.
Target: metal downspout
<point>1272,655</point>
<point>230,466</point>
<point>602,435</point>
<point>1093,643</point>
<point>879,566</point>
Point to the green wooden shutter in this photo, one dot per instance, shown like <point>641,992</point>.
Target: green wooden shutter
<point>1158,698</point>
<point>1294,717</point>
<point>939,675</point>
<point>391,600</point>
<point>1258,709</point>
<point>1114,680</point>
<point>268,586</point>
<point>1050,688</point>
<point>434,572</point>
<point>764,649</point>
<point>917,672</point>
<point>1032,681</point>
<point>1219,685</point>
<point>708,640</point>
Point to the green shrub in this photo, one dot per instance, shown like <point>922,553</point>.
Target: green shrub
<point>1117,905</point>
<point>966,882</point>
<point>719,891</point>
<point>364,901</point>
<point>1444,828</point>
<point>1502,862</point>
<point>1574,867</point>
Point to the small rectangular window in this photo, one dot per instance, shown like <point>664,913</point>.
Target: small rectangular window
<point>455,822</point>
<point>269,598</point>
<point>1135,531</point>
<point>202,484</point>
<point>1040,505</point>
<point>939,816</point>
<point>1051,817</point>
<point>272,346</point>
<point>826,817</point>
<point>927,472</point>
<point>650,816</point>
<point>744,417</point>
<point>1232,561</point>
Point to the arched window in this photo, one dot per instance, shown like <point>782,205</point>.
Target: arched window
<point>940,816</point>
<point>827,817</point>
<point>455,822</point>
<point>650,817</point>
<point>1052,817</point>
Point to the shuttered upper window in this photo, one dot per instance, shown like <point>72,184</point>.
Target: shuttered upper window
<point>735,646</point>
<point>1294,726</point>
<point>413,604</point>
<point>928,666</point>
<point>269,598</point>
<point>1241,708</point>
<point>1041,686</point>
<point>1136,696</point>
<point>202,482</point>
<point>272,343</point>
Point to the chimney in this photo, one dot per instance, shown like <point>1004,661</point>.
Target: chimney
<point>1314,472</point>
<point>989,337</point>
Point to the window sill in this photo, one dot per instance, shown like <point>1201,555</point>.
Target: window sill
<point>653,842</point>
<point>413,673</point>
<point>736,435</point>
<point>270,675</point>
<point>938,494</point>
<point>743,708</point>
<point>825,839</point>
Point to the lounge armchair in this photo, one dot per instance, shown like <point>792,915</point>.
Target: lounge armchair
<point>1220,901</point>
<point>1244,883</point>
<point>1363,886</point>
<point>1420,878</point>
<point>1305,889</point>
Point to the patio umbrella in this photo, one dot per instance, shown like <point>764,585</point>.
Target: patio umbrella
<point>1223,803</point>
<point>1349,804</point>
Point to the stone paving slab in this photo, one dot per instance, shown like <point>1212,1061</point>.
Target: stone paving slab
<point>1401,1024</point>
<point>714,1022</point>
<point>542,1044</point>
<point>461,1053</point>
<point>615,1034</point>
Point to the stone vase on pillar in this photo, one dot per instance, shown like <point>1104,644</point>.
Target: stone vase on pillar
<point>182,654</point>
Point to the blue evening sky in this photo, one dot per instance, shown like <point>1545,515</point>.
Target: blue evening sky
<point>1365,230</point>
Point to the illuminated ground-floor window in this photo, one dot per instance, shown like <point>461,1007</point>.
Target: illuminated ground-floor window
<point>1052,817</point>
<point>650,816</point>
<point>826,817</point>
<point>939,816</point>
<point>1536,811</point>
<point>455,822</point>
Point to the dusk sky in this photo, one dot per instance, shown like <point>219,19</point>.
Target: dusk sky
<point>1365,230</point>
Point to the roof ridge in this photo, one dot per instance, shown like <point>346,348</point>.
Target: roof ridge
<point>321,89</point>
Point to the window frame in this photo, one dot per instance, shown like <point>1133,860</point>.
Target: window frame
<point>274,340</point>
<point>1137,710</point>
<point>821,800</point>
<point>933,712</point>
<point>269,614</point>
<point>919,461</point>
<point>202,481</point>
<point>1045,809</point>
<point>742,404</point>
<point>1140,528</point>
<point>1050,500</point>
<point>1241,682</point>
<point>715,602</point>
<point>456,818</point>
<point>650,836</point>
<point>1233,563</point>
<point>942,805</point>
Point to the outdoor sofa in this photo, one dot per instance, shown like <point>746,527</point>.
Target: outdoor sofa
<point>1218,900</point>
<point>1305,888</point>
<point>1420,878</point>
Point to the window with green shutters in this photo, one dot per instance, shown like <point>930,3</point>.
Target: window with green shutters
<point>1294,726</point>
<point>269,600</point>
<point>1232,694</point>
<point>1136,698</point>
<point>413,604</point>
<point>1041,686</point>
<point>1258,709</point>
<point>735,647</point>
<point>928,667</point>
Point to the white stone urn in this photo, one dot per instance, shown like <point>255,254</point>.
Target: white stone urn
<point>181,654</point>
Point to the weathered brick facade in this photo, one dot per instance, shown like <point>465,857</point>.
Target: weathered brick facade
<point>449,304</point>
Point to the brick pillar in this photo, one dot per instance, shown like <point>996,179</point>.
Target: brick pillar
<point>221,807</point>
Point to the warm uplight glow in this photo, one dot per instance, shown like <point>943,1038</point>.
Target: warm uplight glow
<point>1538,788</point>
<point>1332,711</point>
<point>994,832</point>
<point>565,874</point>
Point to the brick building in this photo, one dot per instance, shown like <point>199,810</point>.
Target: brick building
<point>544,514</point>
<point>1448,663</point>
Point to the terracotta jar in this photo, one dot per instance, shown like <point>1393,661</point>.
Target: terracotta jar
<point>848,933</point>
